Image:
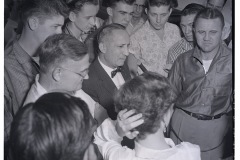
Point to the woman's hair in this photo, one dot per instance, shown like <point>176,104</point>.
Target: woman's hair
<point>149,94</point>
<point>56,127</point>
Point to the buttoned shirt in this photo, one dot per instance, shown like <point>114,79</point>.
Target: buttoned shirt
<point>207,93</point>
<point>147,46</point>
<point>19,73</point>
<point>178,48</point>
<point>37,90</point>
<point>118,79</point>
<point>109,145</point>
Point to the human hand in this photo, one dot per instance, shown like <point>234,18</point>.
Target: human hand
<point>126,122</point>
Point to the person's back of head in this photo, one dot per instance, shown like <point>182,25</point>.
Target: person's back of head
<point>149,94</point>
<point>209,13</point>
<point>59,48</point>
<point>42,9</point>
<point>56,126</point>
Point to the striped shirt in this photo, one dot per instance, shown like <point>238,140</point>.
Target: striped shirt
<point>178,48</point>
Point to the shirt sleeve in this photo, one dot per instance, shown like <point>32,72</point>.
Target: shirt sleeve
<point>109,145</point>
<point>175,78</point>
<point>134,47</point>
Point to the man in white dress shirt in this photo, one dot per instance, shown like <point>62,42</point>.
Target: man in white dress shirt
<point>64,63</point>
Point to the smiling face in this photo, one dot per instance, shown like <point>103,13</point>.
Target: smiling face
<point>115,48</point>
<point>187,26</point>
<point>208,34</point>
<point>121,13</point>
<point>84,19</point>
<point>158,16</point>
<point>50,26</point>
<point>73,73</point>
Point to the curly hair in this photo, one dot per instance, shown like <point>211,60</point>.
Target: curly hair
<point>149,94</point>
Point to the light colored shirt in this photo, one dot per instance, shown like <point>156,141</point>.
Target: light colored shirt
<point>109,145</point>
<point>206,65</point>
<point>147,46</point>
<point>132,29</point>
<point>37,91</point>
<point>118,79</point>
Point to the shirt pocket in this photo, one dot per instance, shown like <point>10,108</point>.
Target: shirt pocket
<point>223,76</point>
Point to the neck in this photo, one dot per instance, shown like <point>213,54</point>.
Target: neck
<point>28,42</point>
<point>135,20</point>
<point>46,83</point>
<point>209,55</point>
<point>74,30</point>
<point>155,141</point>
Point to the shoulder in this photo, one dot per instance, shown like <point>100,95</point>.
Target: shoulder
<point>171,26</point>
<point>186,150</point>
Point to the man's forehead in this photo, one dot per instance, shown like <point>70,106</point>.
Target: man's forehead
<point>140,2</point>
<point>188,18</point>
<point>120,6</point>
<point>208,23</point>
<point>89,9</point>
<point>160,9</point>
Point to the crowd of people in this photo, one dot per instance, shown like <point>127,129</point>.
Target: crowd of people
<point>116,80</point>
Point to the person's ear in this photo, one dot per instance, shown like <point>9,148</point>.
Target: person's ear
<point>33,22</point>
<point>170,11</point>
<point>56,74</point>
<point>109,11</point>
<point>146,10</point>
<point>102,47</point>
<point>72,16</point>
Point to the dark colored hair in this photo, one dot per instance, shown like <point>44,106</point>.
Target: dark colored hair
<point>56,127</point>
<point>108,30</point>
<point>112,3</point>
<point>192,8</point>
<point>149,94</point>
<point>76,5</point>
<point>43,9</point>
<point>158,3</point>
<point>58,48</point>
<point>209,13</point>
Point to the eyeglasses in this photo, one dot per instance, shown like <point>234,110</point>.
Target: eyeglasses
<point>79,74</point>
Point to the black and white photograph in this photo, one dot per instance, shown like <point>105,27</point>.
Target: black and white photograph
<point>119,80</point>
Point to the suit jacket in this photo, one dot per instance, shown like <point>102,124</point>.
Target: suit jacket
<point>19,73</point>
<point>101,87</point>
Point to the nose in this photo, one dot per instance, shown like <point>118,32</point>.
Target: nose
<point>158,19</point>
<point>92,21</point>
<point>206,37</point>
<point>139,8</point>
<point>128,17</point>
<point>126,51</point>
<point>188,30</point>
<point>59,30</point>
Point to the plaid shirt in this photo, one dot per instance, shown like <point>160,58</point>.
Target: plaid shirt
<point>178,48</point>
<point>19,73</point>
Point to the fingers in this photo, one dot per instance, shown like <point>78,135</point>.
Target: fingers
<point>127,114</point>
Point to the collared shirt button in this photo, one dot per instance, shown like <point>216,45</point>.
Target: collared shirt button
<point>203,104</point>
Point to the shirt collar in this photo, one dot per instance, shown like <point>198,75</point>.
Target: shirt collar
<point>106,68</point>
<point>39,87</point>
<point>221,52</point>
<point>21,55</point>
<point>143,152</point>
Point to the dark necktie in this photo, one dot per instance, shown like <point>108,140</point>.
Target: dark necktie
<point>113,73</point>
